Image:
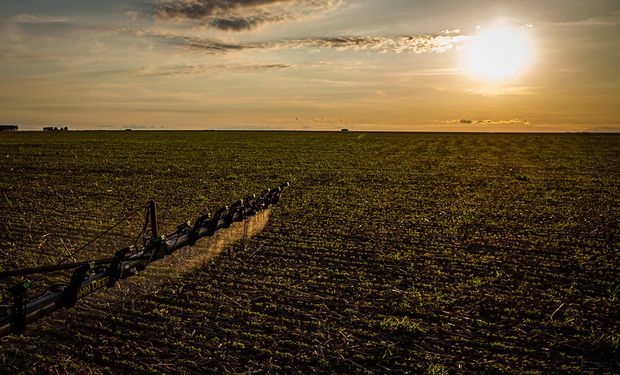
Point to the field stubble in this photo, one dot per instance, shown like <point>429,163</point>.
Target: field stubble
<point>390,252</point>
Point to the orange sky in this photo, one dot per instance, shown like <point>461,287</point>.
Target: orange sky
<point>310,64</point>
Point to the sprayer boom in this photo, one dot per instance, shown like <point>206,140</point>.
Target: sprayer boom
<point>93,275</point>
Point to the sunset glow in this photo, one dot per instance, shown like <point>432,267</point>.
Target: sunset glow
<point>403,65</point>
<point>499,53</point>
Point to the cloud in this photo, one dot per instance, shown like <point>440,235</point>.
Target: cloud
<point>240,15</point>
<point>319,120</point>
<point>203,70</point>
<point>505,90</point>
<point>206,45</point>
<point>132,15</point>
<point>132,127</point>
<point>196,70</point>
<point>37,37</point>
<point>610,19</point>
<point>38,18</point>
<point>415,44</point>
<point>238,23</point>
<point>465,121</point>
<point>201,9</point>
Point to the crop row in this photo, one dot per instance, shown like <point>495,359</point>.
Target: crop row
<point>390,252</point>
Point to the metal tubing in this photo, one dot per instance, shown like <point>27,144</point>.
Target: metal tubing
<point>91,276</point>
<point>153,215</point>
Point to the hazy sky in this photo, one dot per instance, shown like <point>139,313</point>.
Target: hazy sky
<point>310,64</point>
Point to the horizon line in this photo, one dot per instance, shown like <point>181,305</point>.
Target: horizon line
<point>128,130</point>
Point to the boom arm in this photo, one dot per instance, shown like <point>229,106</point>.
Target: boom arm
<point>92,276</point>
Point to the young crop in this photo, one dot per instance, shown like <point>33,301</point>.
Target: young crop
<point>419,253</point>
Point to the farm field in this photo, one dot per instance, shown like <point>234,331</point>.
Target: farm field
<point>436,253</point>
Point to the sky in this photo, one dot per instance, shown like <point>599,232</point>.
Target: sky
<point>368,65</point>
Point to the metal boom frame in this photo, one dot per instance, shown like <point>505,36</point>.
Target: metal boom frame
<point>89,277</point>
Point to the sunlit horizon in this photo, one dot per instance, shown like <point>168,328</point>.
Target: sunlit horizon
<point>497,66</point>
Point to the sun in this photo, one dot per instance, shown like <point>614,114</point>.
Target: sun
<point>499,53</point>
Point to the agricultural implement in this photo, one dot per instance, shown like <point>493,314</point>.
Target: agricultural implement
<point>91,276</point>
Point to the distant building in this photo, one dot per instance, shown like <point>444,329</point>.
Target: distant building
<point>9,128</point>
<point>55,129</point>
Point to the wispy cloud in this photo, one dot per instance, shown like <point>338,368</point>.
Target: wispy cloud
<point>504,90</point>
<point>195,70</point>
<point>437,43</point>
<point>466,121</point>
<point>416,43</point>
<point>38,18</point>
<point>35,37</point>
<point>611,19</point>
<point>204,70</point>
<point>240,15</point>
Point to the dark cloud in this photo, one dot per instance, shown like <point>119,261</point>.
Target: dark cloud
<point>239,23</point>
<point>240,15</point>
<point>201,9</point>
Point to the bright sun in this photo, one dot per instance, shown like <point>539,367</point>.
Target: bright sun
<point>499,53</point>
